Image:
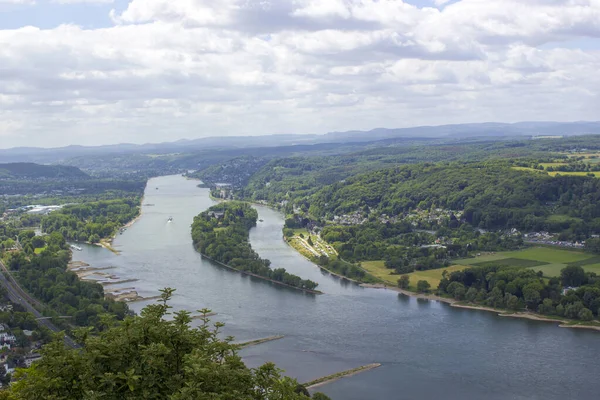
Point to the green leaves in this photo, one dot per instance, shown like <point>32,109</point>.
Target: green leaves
<point>152,357</point>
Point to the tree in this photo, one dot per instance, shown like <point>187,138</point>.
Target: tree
<point>423,286</point>
<point>532,297</point>
<point>320,396</point>
<point>547,307</point>
<point>404,282</point>
<point>151,357</point>
<point>573,276</point>
<point>585,314</point>
<point>471,294</point>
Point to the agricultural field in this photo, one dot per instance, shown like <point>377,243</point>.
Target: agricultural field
<point>548,260</point>
<point>378,270</point>
<point>554,173</point>
<point>433,276</point>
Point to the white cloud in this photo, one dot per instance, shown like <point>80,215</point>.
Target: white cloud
<point>83,1</point>
<point>17,2</point>
<point>192,68</point>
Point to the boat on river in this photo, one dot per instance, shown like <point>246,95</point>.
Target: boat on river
<point>170,219</point>
<point>76,247</point>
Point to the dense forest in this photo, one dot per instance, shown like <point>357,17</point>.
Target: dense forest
<point>516,288</point>
<point>92,221</point>
<point>46,277</point>
<point>492,196</point>
<point>37,171</point>
<point>221,233</point>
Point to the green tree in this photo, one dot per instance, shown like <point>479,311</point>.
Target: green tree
<point>573,276</point>
<point>471,294</point>
<point>532,297</point>
<point>423,286</point>
<point>151,357</point>
<point>404,282</point>
<point>547,307</point>
<point>585,314</point>
<point>320,396</point>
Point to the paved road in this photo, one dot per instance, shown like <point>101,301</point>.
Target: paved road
<point>17,295</point>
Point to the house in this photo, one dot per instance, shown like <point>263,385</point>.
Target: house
<point>31,358</point>
<point>567,289</point>
<point>216,214</point>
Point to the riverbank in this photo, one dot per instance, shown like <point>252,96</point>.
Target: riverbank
<point>321,267</point>
<point>423,296</point>
<point>311,291</point>
<point>498,311</point>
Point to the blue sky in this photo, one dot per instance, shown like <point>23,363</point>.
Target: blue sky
<point>172,69</point>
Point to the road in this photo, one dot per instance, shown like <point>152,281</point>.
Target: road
<point>17,295</point>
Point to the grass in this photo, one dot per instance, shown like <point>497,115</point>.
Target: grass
<point>378,270</point>
<point>39,250</point>
<point>562,218</point>
<point>554,173</point>
<point>512,262</point>
<point>546,259</point>
<point>587,261</point>
<point>433,276</point>
<point>543,254</point>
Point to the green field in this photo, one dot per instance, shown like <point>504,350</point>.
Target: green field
<point>433,276</point>
<point>554,173</point>
<point>512,262</point>
<point>378,270</point>
<point>548,260</point>
<point>40,249</point>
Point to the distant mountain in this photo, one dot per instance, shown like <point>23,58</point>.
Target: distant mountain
<point>490,130</point>
<point>37,171</point>
<point>487,130</point>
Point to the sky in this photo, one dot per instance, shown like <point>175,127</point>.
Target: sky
<point>97,72</point>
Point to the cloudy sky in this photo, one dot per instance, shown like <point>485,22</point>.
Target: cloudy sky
<point>107,71</point>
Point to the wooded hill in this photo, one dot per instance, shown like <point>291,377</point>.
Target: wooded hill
<point>37,171</point>
<point>492,195</point>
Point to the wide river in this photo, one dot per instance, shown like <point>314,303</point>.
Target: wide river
<point>428,350</point>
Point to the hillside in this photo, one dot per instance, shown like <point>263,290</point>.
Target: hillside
<point>491,195</point>
<point>37,171</point>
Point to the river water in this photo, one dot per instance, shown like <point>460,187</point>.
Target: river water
<point>428,350</point>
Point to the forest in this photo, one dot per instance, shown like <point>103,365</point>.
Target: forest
<point>492,196</point>
<point>221,233</point>
<point>44,274</point>
<point>91,221</point>
<point>517,288</point>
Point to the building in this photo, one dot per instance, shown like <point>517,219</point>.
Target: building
<point>31,358</point>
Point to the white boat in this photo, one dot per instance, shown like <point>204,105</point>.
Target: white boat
<point>170,219</point>
<point>76,247</point>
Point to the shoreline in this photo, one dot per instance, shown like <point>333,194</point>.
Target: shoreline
<point>451,302</point>
<point>323,268</point>
<point>562,323</point>
<point>310,291</point>
<point>409,293</point>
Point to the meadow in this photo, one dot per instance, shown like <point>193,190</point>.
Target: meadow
<point>433,276</point>
<point>546,259</point>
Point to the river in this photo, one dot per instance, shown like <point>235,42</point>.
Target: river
<point>428,350</point>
